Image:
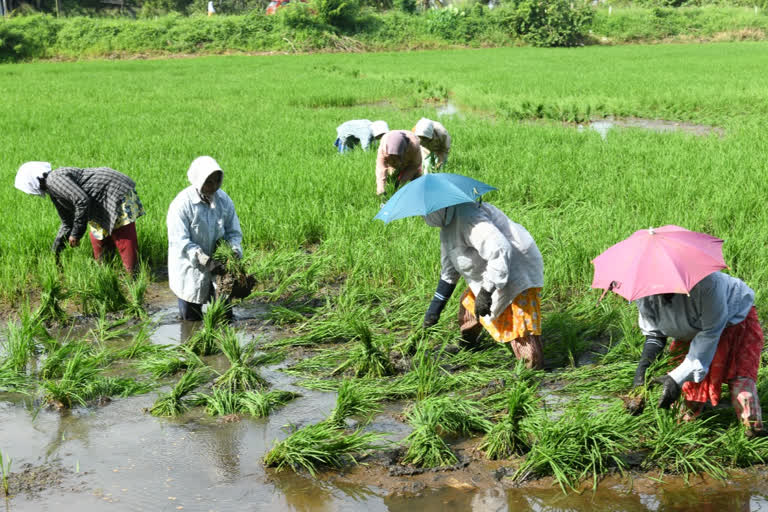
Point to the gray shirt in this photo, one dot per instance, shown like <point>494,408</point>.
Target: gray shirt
<point>716,302</point>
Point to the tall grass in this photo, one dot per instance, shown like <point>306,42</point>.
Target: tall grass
<point>5,467</point>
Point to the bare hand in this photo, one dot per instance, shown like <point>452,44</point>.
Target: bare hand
<point>74,242</point>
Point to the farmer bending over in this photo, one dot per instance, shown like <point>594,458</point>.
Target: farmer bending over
<point>101,198</point>
<point>198,217</point>
<point>398,160</point>
<point>504,271</point>
<point>435,143</point>
<point>359,131</point>
<point>717,338</point>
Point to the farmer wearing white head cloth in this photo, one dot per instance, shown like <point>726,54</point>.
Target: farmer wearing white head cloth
<point>504,272</point>
<point>100,199</point>
<point>435,143</point>
<point>359,132</point>
<point>200,216</point>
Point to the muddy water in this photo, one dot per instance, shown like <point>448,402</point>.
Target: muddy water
<point>117,457</point>
<point>604,126</point>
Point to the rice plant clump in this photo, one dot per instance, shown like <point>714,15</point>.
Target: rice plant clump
<point>74,387</point>
<point>51,297</point>
<point>204,341</point>
<point>434,416</point>
<point>366,359</point>
<point>136,287</point>
<point>321,444</point>
<point>354,399</point>
<point>584,441</point>
<point>240,376</point>
<point>507,437</point>
<point>100,289</point>
<point>19,347</point>
<point>261,404</point>
<point>221,402</point>
<point>172,404</point>
<point>169,362</point>
<point>141,345</point>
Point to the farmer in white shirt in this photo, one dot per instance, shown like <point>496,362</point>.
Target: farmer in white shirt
<point>199,217</point>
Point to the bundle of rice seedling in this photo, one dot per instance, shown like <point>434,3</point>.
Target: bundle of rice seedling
<point>172,404</point>
<point>260,404</point>
<point>80,372</point>
<point>236,283</point>
<point>204,341</point>
<point>367,359</point>
<point>141,345</point>
<point>322,444</point>
<point>354,399</point>
<point>137,288</point>
<point>240,376</point>
<point>507,437</point>
<point>51,297</point>
<point>169,362</point>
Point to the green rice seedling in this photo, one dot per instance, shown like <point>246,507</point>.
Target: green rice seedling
<point>322,363</point>
<point>367,359</point>
<point>80,372</point>
<point>19,347</point>
<point>506,437</point>
<point>582,442</point>
<point>172,404</point>
<point>269,358</point>
<point>356,400</point>
<point>226,255</point>
<point>429,418</point>
<point>240,376</point>
<point>52,295</point>
<point>100,288</point>
<point>141,345</point>
<point>571,330</point>
<point>221,401</point>
<point>54,364</point>
<point>600,378</point>
<point>280,315</point>
<point>169,362</point>
<point>204,341</point>
<point>5,467</point>
<point>321,444</point>
<point>429,376</point>
<point>260,404</point>
<point>737,450</point>
<point>106,329</point>
<point>681,447</point>
<point>106,387</point>
<point>136,286</point>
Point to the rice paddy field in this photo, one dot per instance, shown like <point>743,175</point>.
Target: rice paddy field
<point>324,393</point>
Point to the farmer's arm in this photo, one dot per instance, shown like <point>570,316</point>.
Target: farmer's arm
<point>386,165</point>
<point>72,204</point>
<point>492,247</point>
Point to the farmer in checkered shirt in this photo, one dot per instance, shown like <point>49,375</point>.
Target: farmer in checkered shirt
<point>100,199</point>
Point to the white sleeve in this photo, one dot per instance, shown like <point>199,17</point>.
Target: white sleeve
<point>492,247</point>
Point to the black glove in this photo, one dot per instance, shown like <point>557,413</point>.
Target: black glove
<point>439,300</point>
<point>483,303</point>
<point>670,393</point>
<point>218,268</point>
<point>654,346</point>
<point>59,243</point>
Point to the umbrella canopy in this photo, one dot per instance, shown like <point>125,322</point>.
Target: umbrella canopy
<point>429,193</point>
<point>669,259</point>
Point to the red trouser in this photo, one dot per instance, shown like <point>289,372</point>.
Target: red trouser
<point>122,238</point>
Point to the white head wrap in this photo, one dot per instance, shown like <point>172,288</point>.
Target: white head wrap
<point>27,177</point>
<point>379,128</point>
<point>424,128</point>
<point>199,170</point>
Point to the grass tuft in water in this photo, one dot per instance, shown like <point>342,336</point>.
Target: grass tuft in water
<point>136,287</point>
<point>204,341</point>
<point>51,297</point>
<point>261,404</point>
<point>172,404</point>
<point>367,358</point>
<point>507,437</point>
<point>240,376</point>
<point>321,444</point>
<point>355,400</point>
<point>5,468</point>
<point>74,387</point>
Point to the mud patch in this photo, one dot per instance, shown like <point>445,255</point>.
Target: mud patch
<point>31,481</point>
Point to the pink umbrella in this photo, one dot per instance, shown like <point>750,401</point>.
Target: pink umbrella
<point>669,259</point>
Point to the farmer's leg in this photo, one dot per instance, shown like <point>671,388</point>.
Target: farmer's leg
<point>468,325</point>
<point>528,348</point>
<point>127,245</point>
<point>190,310</point>
<point>99,246</point>
<point>746,403</point>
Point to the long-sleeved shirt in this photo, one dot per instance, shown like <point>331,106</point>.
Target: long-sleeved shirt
<point>194,227</point>
<point>716,302</point>
<point>482,245</point>
<point>82,195</point>
<point>360,129</point>
<point>400,155</point>
<point>439,144</point>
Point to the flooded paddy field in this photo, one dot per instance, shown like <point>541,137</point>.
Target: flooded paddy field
<point>115,456</point>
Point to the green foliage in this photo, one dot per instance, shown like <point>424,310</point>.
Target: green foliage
<point>367,358</point>
<point>338,13</point>
<point>5,468</point>
<point>137,287</point>
<point>240,376</point>
<point>507,437</point>
<point>549,22</point>
<point>172,404</point>
<point>355,399</point>
<point>406,6</point>
<point>321,444</point>
<point>204,341</point>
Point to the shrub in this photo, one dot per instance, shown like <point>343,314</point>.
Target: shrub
<point>338,13</point>
<point>549,22</point>
<point>407,6</point>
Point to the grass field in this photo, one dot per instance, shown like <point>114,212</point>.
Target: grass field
<point>307,212</point>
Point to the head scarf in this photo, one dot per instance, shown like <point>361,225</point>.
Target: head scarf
<point>379,128</point>
<point>424,128</point>
<point>29,175</point>
<point>440,218</point>
<point>199,170</point>
<point>395,143</point>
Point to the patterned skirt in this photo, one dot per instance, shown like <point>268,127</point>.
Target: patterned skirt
<point>129,210</point>
<point>521,318</point>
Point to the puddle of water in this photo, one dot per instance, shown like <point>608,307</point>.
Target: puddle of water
<point>603,126</point>
<point>448,110</point>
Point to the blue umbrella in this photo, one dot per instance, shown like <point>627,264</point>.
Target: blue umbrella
<point>429,193</point>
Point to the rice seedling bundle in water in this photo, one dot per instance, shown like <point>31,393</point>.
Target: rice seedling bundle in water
<point>367,358</point>
<point>240,376</point>
<point>507,437</point>
<point>204,341</point>
<point>356,400</point>
<point>172,404</point>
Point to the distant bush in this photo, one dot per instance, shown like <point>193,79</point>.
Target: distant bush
<point>406,6</point>
<point>549,22</point>
<point>26,37</point>
<point>338,13</point>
